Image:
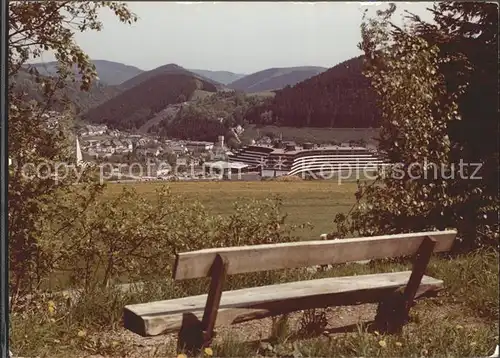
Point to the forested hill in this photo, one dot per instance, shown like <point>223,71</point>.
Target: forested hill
<point>274,78</point>
<point>340,97</point>
<point>201,119</point>
<point>223,77</point>
<point>135,106</point>
<point>109,72</point>
<point>170,69</point>
<point>82,101</point>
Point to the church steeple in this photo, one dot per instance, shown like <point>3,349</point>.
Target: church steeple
<point>79,156</point>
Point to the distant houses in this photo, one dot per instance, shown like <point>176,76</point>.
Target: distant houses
<point>141,146</point>
<point>122,146</point>
<point>105,148</point>
<point>198,146</point>
<point>177,148</point>
<point>148,152</point>
<point>93,130</point>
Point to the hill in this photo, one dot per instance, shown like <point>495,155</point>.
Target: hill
<point>340,98</point>
<point>274,78</point>
<point>224,77</point>
<point>137,104</point>
<point>205,118</point>
<point>109,72</point>
<point>166,69</point>
<point>82,101</point>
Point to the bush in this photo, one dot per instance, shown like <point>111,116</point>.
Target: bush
<point>89,243</point>
<point>129,239</point>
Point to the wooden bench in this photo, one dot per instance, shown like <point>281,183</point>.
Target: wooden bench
<point>200,314</point>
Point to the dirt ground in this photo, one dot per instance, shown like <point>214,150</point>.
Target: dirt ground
<point>123,343</point>
<point>252,331</point>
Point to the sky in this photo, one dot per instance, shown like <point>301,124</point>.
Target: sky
<point>241,37</point>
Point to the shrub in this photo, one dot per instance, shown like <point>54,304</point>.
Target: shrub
<point>132,238</point>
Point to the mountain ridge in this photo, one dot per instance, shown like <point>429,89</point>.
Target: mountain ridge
<point>224,77</point>
<point>265,80</point>
<point>81,100</point>
<point>109,72</point>
<point>305,96</point>
<point>170,68</point>
<point>135,105</point>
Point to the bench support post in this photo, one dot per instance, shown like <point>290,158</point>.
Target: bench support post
<point>422,259</point>
<point>393,311</point>
<point>218,273</point>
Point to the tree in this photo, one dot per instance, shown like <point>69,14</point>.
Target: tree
<point>171,159</point>
<point>232,143</point>
<point>34,195</point>
<point>181,98</point>
<point>427,80</point>
<point>266,117</point>
<point>468,33</point>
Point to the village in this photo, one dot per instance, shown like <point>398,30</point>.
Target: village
<point>172,159</point>
<point>135,157</point>
<point>99,142</point>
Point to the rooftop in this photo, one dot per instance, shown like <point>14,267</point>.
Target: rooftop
<point>301,150</point>
<point>194,142</point>
<point>226,165</point>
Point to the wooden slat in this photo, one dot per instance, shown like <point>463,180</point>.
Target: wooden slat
<point>155,318</point>
<point>254,258</point>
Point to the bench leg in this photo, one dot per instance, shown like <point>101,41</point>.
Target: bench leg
<point>422,259</point>
<point>219,269</point>
<point>393,312</point>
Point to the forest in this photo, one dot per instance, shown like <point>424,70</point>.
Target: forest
<point>133,107</point>
<point>209,117</point>
<point>338,98</point>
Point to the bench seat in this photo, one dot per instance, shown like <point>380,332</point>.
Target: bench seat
<point>161,317</point>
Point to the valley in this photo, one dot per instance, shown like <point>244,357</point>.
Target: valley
<point>156,115</point>
<point>162,101</point>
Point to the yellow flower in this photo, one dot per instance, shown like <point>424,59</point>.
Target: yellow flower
<point>114,344</point>
<point>182,355</point>
<point>382,344</point>
<point>208,351</point>
<point>399,344</point>
<point>51,307</point>
<point>82,333</point>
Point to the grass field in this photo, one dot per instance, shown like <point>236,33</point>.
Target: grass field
<point>314,202</point>
<point>315,135</point>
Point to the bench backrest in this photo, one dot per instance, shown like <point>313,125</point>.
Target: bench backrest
<point>244,259</point>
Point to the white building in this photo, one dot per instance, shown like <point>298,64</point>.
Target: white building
<point>198,145</point>
<point>225,168</point>
<point>94,130</point>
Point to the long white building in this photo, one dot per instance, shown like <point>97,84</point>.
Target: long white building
<point>308,160</point>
